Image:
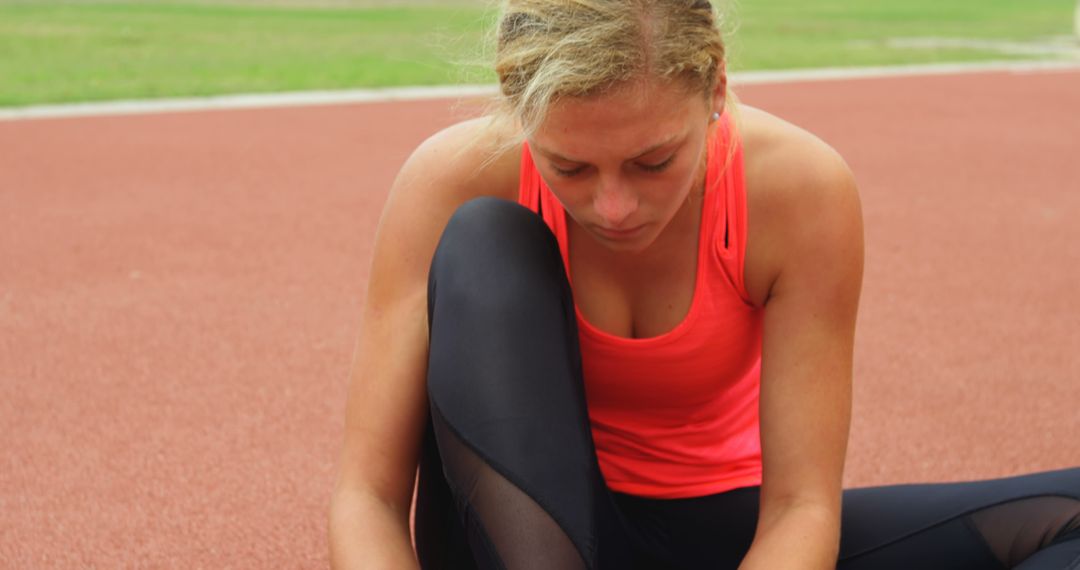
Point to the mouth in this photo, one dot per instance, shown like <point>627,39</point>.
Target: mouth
<point>619,235</point>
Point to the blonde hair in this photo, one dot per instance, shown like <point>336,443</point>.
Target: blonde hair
<point>552,49</point>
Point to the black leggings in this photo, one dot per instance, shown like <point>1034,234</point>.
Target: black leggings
<point>508,471</point>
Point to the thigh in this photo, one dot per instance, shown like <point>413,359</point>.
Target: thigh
<point>954,526</point>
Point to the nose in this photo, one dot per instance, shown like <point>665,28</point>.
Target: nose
<point>614,203</point>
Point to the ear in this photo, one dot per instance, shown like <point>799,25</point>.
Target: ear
<point>719,95</point>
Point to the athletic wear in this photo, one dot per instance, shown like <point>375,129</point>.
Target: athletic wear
<point>676,415</point>
<point>509,478</point>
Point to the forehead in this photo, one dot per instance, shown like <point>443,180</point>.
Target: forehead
<point>619,123</point>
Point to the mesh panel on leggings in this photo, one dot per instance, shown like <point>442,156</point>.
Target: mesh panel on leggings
<point>1017,529</point>
<point>521,533</point>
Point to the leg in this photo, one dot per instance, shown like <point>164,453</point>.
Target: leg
<point>507,403</point>
<point>1029,522</point>
<point>713,531</point>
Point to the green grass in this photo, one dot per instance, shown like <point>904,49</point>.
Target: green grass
<point>54,51</point>
<point>783,34</point>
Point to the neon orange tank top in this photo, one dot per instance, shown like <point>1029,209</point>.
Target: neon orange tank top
<point>676,415</point>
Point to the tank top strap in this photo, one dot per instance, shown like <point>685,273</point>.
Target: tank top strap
<point>534,194</point>
<point>528,178</point>
<point>726,176</point>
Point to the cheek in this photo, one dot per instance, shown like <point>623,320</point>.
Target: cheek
<point>672,186</point>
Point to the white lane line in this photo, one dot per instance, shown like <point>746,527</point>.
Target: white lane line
<point>845,73</point>
<point>312,98</point>
<point>245,101</point>
<point>1064,47</point>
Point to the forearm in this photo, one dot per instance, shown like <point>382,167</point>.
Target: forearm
<point>368,533</point>
<point>805,537</point>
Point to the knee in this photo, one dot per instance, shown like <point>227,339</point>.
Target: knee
<point>493,241</point>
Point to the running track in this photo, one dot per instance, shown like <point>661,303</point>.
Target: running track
<point>179,294</point>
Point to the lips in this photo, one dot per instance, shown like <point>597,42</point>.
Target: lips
<point>619,234</point>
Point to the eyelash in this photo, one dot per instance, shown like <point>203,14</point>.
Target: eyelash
<point>657,167</point>
<point>567,173</point>
<point>653,168</point>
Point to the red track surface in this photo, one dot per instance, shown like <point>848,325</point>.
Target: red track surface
<point>179,295</point>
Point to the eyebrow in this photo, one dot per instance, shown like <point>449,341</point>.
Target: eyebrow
<point>653,148</point>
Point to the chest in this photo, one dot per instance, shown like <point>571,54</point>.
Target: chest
<point>641,299</point>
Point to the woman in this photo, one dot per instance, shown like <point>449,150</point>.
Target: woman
<point>688,407</point>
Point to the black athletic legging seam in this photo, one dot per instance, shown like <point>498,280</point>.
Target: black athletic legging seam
<point>588,557</point>
<point>969,524</point>
<point>950,519</point>
<point>1064,537</point>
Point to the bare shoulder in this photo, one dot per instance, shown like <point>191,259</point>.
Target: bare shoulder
<point>463,161</point>
<point>801,197</point>
<point>787,161</point>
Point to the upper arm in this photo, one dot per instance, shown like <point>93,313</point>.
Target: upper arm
<point>387,402</point>
<point>815,248</point>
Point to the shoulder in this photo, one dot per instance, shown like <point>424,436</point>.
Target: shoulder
<point>463,161</point>
<point>802,200</point>
<point>788,168</point>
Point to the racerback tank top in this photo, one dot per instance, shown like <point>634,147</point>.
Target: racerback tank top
<point>676,415</point>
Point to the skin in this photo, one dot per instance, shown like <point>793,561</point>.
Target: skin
<point>591,154</point>
<point>803,269</point>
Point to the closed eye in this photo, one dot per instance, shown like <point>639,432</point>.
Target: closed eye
<point>646,167</point>
<point>567,173</point>
<point>657,167</point>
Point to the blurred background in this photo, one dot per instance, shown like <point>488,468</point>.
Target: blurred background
<point>65,51</point>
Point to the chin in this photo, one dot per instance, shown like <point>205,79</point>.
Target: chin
<point>630,246</point>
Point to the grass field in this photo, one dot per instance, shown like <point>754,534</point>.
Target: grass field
<point>54,51</point>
